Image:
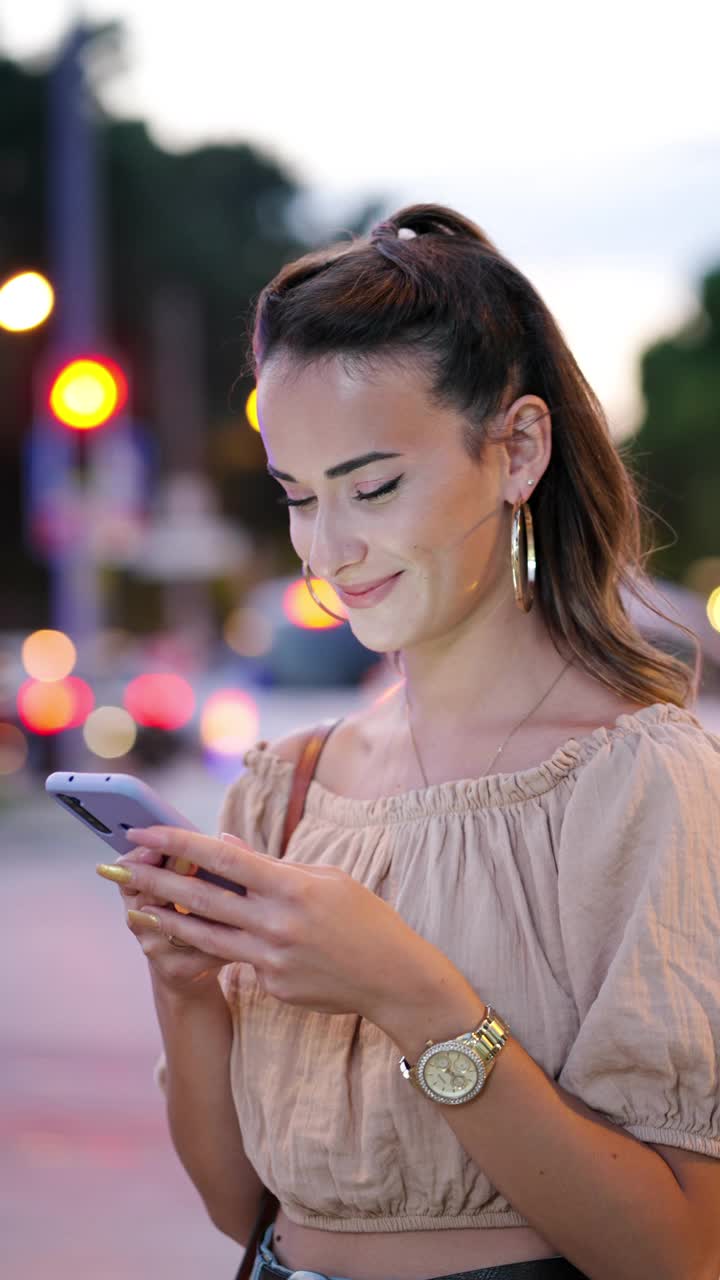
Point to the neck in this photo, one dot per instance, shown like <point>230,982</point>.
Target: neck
<point>502,657</point>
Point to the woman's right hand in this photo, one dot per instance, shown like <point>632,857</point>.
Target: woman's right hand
<point>182,970</point>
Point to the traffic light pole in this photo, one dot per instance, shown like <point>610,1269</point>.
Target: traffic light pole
<point>56,461</point>
<point>76,607</point>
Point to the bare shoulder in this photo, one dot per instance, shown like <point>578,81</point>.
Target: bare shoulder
<point>585,704</point>
<point>289,747</point>
<point>354,737</point>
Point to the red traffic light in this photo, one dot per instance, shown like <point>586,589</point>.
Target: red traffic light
<point>87,392</point>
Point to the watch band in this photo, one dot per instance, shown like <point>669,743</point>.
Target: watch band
<point>491,1036</point>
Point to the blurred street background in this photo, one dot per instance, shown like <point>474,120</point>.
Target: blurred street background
<point>154,175</point>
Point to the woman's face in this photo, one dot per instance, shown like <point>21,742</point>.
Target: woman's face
<point>425,516</point>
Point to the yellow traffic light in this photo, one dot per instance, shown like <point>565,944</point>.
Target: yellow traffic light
<point>26,300</point>
<point>87,392</point>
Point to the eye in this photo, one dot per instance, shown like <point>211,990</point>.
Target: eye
<point>384,489</point>
<point>293,502</point>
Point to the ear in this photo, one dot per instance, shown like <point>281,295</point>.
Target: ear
<point>527,438</point>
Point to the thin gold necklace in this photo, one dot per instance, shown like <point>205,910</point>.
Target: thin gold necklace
<point>505,741</point>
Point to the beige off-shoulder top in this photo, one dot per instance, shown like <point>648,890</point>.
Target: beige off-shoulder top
<point>581,898</point>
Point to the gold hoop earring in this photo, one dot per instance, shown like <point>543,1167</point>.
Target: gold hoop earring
<point>523,583</point>
<point>307,575</point>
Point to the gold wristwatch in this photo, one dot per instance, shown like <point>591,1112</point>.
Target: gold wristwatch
<point>455,1071</point>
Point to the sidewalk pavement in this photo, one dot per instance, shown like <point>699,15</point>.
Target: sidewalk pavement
<point>92,1188</point>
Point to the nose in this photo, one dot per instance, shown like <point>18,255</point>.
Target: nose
<point>333,546</point>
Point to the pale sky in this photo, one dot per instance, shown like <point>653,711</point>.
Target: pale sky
<point>585,139</point>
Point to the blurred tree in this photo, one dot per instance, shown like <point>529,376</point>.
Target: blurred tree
<point>212,221</point>
<point>676,452</point>
<point>23,133</point>
<point>209,225</point>
<point>23,245</point>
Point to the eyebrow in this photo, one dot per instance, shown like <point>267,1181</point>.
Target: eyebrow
<point>341,468</point>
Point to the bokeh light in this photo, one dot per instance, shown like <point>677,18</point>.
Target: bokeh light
<point>300,608</point>
<point>160,700</point>
<point>110,732</point>
<point>229,722</point>
<point>248,632</point>
<point>83,700</point>
<point>48,655</point>
<point>26,300</point>
<point>13,749</point>
<point>713,608</point>
<point>86,392</point>
<point>251,412</point>
<point>46,706</point>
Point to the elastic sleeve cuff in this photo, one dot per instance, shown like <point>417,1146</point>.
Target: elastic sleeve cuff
<point>704,1145</point>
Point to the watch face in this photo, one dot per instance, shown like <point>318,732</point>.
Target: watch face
<point>448,1073</point>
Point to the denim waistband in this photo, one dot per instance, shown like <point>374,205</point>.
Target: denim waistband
<point>267,1267</point>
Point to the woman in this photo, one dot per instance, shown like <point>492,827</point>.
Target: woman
<point>513,854</point>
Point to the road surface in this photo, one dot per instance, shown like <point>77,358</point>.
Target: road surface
<point>92,1189</point>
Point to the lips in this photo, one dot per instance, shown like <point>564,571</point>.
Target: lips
<point>365,595</point>
<point>366,586</point>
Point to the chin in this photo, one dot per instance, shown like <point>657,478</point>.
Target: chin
<point>383,637</point>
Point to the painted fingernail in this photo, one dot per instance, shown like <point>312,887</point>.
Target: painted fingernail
<point>151,836</point>
<point>183,866</point>
<point>120,875</point>
<point>227,835</point>
<point>144,920</point>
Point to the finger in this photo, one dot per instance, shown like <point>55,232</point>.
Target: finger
<point>219,940</point>
<point>189,894</point>
<point>141,853</point>
<point>143,922</point>
<point>146,927</point>
<point>139,900</point>
<point>234,860</point>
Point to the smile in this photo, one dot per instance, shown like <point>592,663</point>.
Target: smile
<point>368,595</point>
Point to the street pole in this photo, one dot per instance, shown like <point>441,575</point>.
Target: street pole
<point>60,460</point>
<point>74,256</point>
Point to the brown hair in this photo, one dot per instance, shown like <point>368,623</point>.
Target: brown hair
<point>449,300</point>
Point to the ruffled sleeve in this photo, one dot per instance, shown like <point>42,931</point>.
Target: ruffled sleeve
<point>639,900</point>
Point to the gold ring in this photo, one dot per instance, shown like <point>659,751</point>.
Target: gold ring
<point>175,942</point>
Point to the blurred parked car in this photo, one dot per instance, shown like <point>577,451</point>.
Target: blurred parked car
<point>266,650</point>
<point>303,655</point>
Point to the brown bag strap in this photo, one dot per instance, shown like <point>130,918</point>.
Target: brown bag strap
<point>312,745</point>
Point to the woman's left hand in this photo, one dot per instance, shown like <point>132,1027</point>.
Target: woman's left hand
<point>315,936</point>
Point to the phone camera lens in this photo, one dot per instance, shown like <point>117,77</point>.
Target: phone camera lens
<point>72,802</point>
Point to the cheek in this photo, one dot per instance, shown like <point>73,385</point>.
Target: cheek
<point>454,550</point>
<point>430,532</point>
<point>300,534</point>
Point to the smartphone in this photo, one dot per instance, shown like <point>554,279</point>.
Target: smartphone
<point>109,803</point>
